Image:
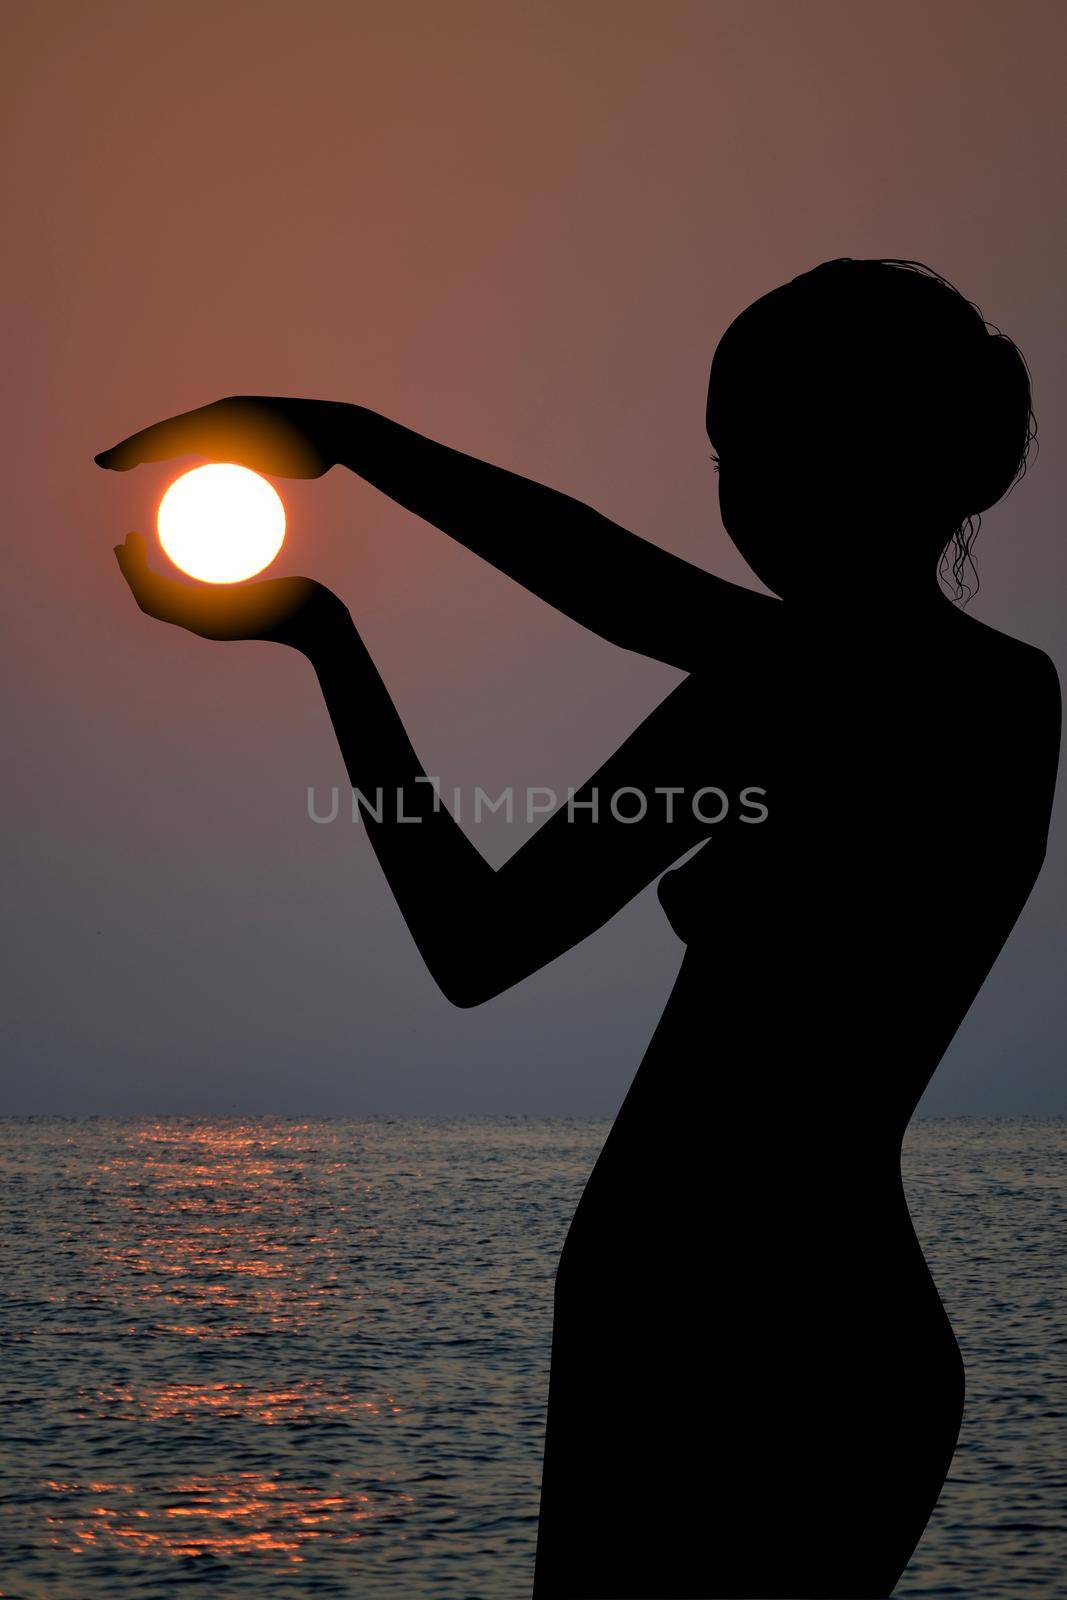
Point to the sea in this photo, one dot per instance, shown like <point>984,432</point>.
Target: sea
<point>291,1358</point>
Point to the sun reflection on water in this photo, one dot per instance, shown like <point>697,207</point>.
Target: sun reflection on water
<point>228,1212</point>
<point>217,1219</point>
<point>277,1357</point>
<point>214,1514</point>
<point>299,1403</point>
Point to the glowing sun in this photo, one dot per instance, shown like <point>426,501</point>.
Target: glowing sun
<point>221,523</point>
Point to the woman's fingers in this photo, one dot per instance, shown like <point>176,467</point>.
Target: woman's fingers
<point>132,556</point>
<point>151,591</point>
<point>192,433</point>
<point>258,432</point>
<point>165,599</point>
<point>214,611</point>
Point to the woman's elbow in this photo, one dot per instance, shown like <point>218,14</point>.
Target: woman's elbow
<point>466,999</point>
<point>467,991</point>
<point>473,984</point>
<point>471,970</point>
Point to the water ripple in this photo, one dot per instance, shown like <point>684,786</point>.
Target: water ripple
<point>307,1358</point>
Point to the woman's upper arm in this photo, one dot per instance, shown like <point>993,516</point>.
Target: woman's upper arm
<point>624,827</point>
<point>624,588</point>
<point>686,616</point>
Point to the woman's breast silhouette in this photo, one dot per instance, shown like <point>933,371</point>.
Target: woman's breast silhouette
<point>754,1388</point>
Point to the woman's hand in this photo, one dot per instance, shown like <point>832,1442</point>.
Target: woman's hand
<point>288,438</point>
<point>293,611</point>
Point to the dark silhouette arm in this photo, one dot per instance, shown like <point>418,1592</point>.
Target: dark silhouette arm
<point>624,588</point>
<point>480,929</point>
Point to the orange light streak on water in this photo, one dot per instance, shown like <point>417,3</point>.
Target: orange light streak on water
<point>270,1516</point>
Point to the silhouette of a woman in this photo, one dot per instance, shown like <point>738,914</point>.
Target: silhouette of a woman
<point>754,1390</point>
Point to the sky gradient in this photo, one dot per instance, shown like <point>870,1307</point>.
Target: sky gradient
<point>521,230</point>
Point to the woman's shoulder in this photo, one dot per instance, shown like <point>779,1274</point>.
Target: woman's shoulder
<point>1012,668</point>
<point>1012,692</point>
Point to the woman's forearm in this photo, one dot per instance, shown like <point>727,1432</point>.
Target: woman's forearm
<point>622,587</point>
<point>442,884</point>
<point>629,591</point>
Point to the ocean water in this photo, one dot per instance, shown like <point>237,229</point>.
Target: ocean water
<point>300,1358</point>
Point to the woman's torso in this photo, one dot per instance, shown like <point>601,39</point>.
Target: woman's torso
<point>832,951</point>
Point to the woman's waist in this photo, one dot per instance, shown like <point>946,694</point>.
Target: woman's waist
<point>735,1274</point>
<point>728,1224</point>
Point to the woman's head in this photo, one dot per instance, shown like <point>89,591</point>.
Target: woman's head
<point>864,416</point>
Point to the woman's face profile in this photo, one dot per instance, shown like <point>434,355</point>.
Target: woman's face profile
<point>747,507</point>
<point>861,414</point>
<point>790,535</point>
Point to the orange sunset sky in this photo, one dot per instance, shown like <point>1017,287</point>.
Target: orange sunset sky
<point>519,228</point>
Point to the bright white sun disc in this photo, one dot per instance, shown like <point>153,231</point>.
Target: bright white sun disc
<point>221,523</point>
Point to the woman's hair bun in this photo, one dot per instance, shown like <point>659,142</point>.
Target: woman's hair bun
<point>999,424</point>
